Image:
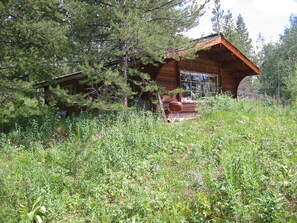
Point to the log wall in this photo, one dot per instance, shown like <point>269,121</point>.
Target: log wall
<point>200,64</point>
<point>229,83</point>
<point>168,77</point>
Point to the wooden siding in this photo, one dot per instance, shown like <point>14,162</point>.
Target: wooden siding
<point>199,64</point>
<point>229,83</point>
<point>166,77</point>
<point>188,110</point>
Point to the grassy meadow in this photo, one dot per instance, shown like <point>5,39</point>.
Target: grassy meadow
<point>236,162</point>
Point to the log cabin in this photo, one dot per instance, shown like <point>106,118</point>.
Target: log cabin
<point>217,67</point>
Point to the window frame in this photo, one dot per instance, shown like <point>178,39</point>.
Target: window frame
<point>191,74</point>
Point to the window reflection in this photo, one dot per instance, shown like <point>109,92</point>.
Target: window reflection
<point>197,85</point>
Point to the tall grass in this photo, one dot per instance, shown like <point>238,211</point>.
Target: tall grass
<point>235,163</point>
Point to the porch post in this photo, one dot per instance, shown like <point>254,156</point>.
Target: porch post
<point>178,80</point>
<point>220,79</point>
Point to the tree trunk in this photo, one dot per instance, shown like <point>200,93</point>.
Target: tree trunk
<point>124,66</point>
<point>278,93</point>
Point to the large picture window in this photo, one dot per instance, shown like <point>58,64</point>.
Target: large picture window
<point>197,85</point>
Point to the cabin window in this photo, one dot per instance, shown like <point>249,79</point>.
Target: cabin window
<point>197,84</point>
<point>70,89</point>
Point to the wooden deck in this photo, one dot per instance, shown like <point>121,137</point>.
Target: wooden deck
<point>187,112</point>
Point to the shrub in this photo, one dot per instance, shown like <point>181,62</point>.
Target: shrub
<point>223,102</point>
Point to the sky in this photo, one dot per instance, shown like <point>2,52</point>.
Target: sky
<point>268,17</point>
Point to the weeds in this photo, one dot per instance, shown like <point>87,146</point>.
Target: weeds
<point>235,163</point>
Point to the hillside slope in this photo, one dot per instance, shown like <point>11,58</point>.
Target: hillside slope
<point>235,163</point>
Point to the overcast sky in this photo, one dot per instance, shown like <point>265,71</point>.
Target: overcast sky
<point>269,17</point>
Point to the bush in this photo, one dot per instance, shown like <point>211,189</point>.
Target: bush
<point>223,102</point>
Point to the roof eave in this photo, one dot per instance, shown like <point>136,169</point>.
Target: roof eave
<point>65,77</point>
<point>240,55</point>
<point>213,40</point>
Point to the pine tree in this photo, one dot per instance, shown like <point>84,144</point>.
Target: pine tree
<point>228,23</point>
<point>229,29</point>
<point>32,45</point>
<point>246,42</point>
<point>279,65</point>
<point>123,35</point>
<point>238,34</point>
<point>260,42</point>
<point>293,25</point>
<point>218,16</point>
<point>107,40</point>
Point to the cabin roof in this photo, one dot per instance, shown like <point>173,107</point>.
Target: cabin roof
<point>214,46</point>
<point>230,56</point>
<point>65,77</point>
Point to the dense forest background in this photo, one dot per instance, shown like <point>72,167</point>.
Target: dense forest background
<point>107,40</point>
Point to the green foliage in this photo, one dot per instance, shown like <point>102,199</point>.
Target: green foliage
<point>245,41</point>
<point>223,102</point>
<point>114,39</point>
<point>106,41</point>
<point>236,163</point>
<point>292,86</point>
<point>234,31</point>
<point>217,18</point>
<point>36,214</point>
<point>279,65</point>
<point>33,43</point>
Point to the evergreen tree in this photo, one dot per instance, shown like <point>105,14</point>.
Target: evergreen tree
<point>123,35</point>
<point>32,46</point>
<point>293,25</point>
<point>279,65</point>
<point>229,29</point>
<point>259,57</point>
<point>238,34</point>
<point>107,40</point>
<point>228,24</point>
<point>218,16</point>
<point>246,42</point>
